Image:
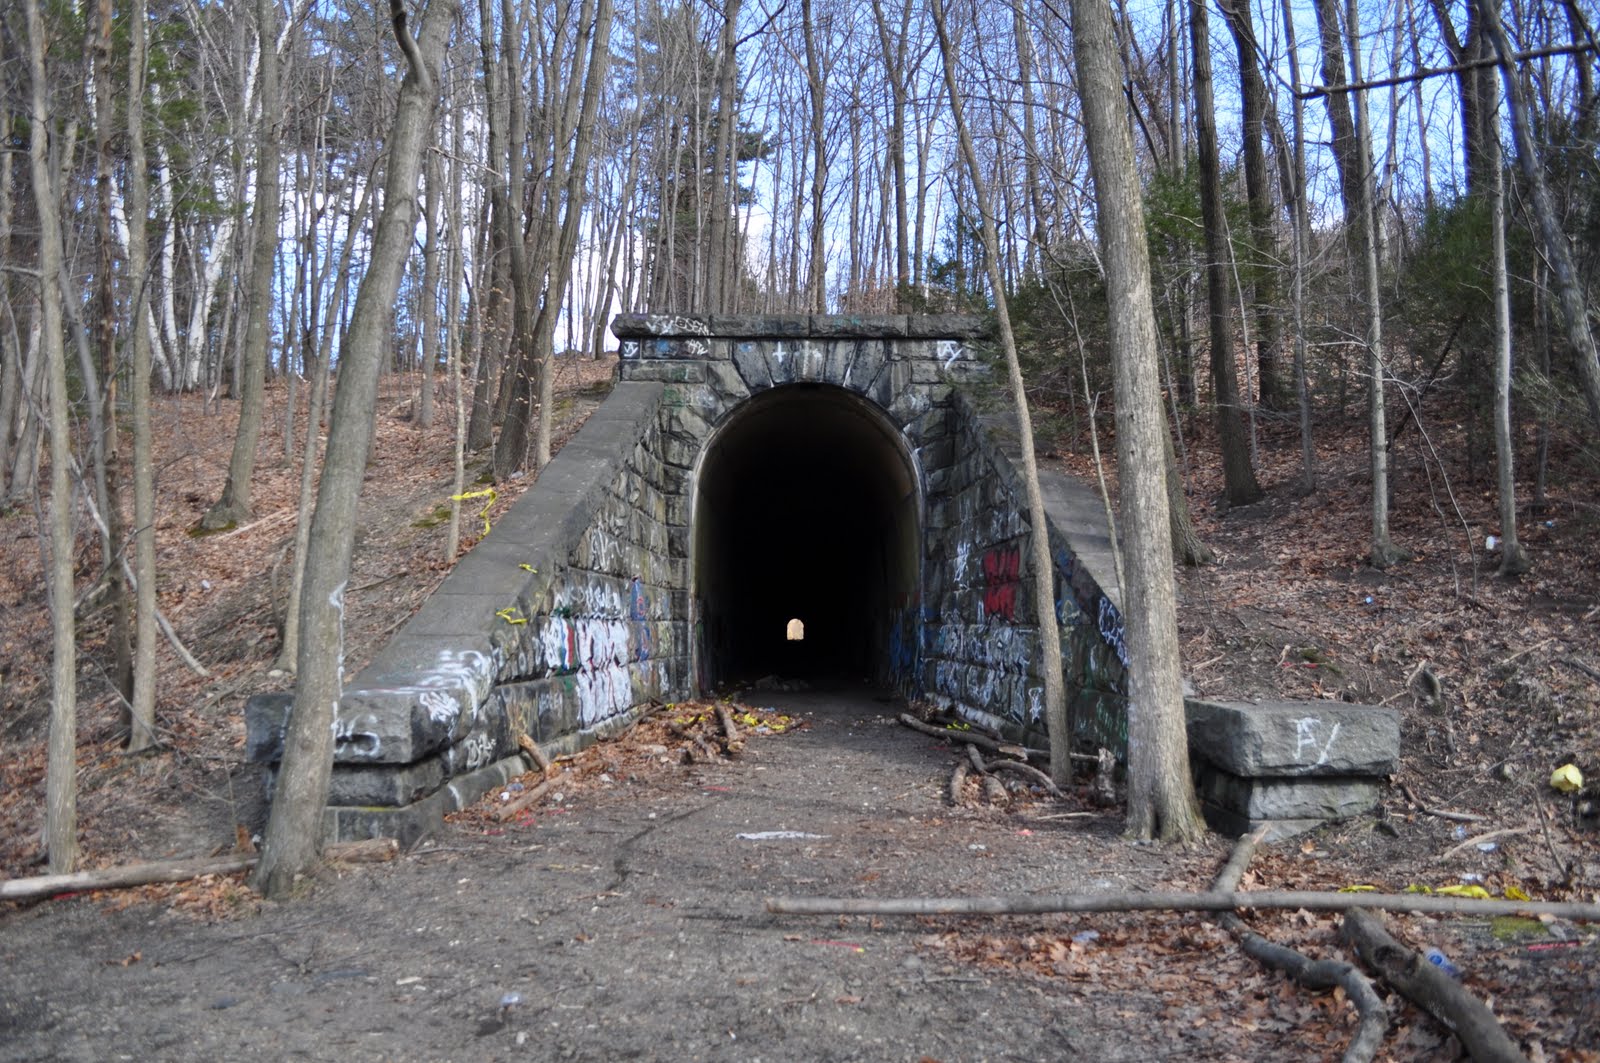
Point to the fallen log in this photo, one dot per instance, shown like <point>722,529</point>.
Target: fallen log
<point>1425,985</point>
<point>1029,772</point>
<point>1177,901</point>
<point>982,741</point>
<point>108,878</point>
<point>1313,974</point>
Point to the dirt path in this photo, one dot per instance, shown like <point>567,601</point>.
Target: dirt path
<point>627,923</point>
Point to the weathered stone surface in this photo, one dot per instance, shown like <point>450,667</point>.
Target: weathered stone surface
<point>1294,738</point>
<point>1306,797</point>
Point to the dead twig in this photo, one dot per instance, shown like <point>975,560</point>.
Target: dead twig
<point>982,741</point>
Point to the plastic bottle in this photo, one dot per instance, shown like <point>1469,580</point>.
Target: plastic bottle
<point>1441,961</point>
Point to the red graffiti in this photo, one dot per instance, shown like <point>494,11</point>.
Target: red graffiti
<point>1001,569</point>
<point>1001,601</point>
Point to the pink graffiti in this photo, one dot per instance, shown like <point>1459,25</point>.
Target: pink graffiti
<point>1001,569</point>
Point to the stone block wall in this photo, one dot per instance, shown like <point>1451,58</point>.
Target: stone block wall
<point>565,617</point>
<point>980,639</point>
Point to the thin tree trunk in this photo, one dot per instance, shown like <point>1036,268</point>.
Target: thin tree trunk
<point>61,778</point>
<point>1161,798</point>
<point>1238,476</point>
<point>1299,229</point>
<point>142,711</point>
<point>233,507</point>
<point>430,293</point>
<point>294,828</point>
<point>1513,558</point>
<point>1055,701</point>
<point>816,84</point>
<point>1568,285</point>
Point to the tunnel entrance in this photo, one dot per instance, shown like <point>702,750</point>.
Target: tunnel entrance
<point>807,508</point>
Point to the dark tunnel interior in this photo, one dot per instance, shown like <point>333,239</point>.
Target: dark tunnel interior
<point>806,509</point>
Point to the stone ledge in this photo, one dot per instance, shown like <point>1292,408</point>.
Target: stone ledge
<point>1286,739</point>
<point>642,327</point>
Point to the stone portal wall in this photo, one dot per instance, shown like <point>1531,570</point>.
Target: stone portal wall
<point>566,616</point>
<point>577,607</point>
<point>980,641</point>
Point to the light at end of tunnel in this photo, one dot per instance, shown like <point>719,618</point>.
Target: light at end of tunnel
<point>796,630</point>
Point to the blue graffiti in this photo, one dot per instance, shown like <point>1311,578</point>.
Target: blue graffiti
<point>1111,629</point>
<point>638,603</point>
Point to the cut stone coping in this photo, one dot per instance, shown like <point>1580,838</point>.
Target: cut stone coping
<point>1294,738</point>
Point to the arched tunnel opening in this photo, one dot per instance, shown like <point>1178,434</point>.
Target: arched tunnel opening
<point>807,509</point>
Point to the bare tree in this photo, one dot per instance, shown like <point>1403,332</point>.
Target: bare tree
<point>234,504</point>
<point>1055,700</point>
<point>1238,476</point>
<point>1161,798</point>
<point>142,708</point>
<point>61,778</point>
<point>293,836</point>
<point>1569,289</point>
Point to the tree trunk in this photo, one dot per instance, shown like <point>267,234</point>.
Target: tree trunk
<point>1055,700</point>
<point>142,711</point>
<point>1513,558</point>
<point>1353,157</point>
<point>1569,287</point>
<point>234,505</point>
<point>1239,478</point>
<point>430,293</point>
<point>816,83</point>
<point>1161,798</point>
<point>61,778</point>
<point>566,247</point>
<point>1258,189</point>
<point>721,265</point>
<point>294,829</point>
<point>1299,230</point>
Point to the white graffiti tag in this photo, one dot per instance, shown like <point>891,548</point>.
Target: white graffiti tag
<point>1307,734</point>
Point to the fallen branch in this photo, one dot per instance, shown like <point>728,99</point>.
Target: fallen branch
<point>516,805</point>
<point>1579,666</point>
<point>982,741</point>
<point>1029,772</point>
<point>1431,989</point>
<point>1177,901</point>
<point>732,743</point>
<point>109,878</point>
<point>1454,817</point>
<point>958,778</point>
<point>1313,974</point>
<point>538,757</point>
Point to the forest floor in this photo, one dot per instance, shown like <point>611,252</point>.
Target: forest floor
<point>1290,609</point>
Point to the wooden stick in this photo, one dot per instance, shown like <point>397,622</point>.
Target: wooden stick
<point>22,889</point>
<point>976,760</point>
<point>1431,989</point>
<point>517,805</point>
<point>982,741</point>
<point>1454,849</point>
<point>1454,817</point>
<point>1176,901</point>
<point>1313,974</point>
<point>1579,666</point>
